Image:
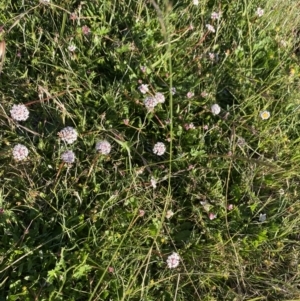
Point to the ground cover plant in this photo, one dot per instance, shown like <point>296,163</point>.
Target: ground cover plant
<point>149,150</point>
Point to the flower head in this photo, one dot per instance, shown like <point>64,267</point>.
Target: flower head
<point>72,48</point>
<point>153,182</point>
<point>262,217</point>
<point>144,88</point>
<point>190,94</point>
<point>85,30</point>
<point>210,28</point>
<point>160,98</point>
<point>215,109</point>
<point>68,157</point>
<point>103,147</point>
<point>260,12</point>
<point>215,16</point>
<point>173,90</point>
<point>143,68</point>
<point>169,214</point>
<point>19,112</point>
<point>265,115</point>
<point>195,2</point>
<point>68,134</point>
<point>20,152</point>
<point>150,102</point>
<point>212,216</point>
<point>173,260</point>
<point>159,149</point>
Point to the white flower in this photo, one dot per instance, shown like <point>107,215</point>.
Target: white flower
<point>195,2</point>
<point>260,12</point>
<point>68,134</point>
<point>262,217</point>
<point>150,102</point>
<point>153,183</point>
<point>215,16</point>
<point>68,156</point>
<point>173,260</point>
<point>19,112</point>
<point>265,115</point>
<point>159,97</point>
<point>190,95</point>
<point>144,89</point>
<point>20,152</point>
<point>215,109</point>
<point>72,48</point>
<point>45,1</point>
<point>159,149</point>
<point>281,191</point>
<point>143,68</point>
<point>173,90</point>
<point>103,147</point>
<point>210,28</point>
<point>169,214</point>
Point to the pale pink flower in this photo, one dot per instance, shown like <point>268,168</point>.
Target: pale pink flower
<point>173,260</point>
<point>190,94</point>
<point>68,157</point>
<point>204,94</point>
<point>68,134</point>
<point>103,147</point>
<point>19,112</point>
<point>150,103</point>
<point>230,207</point>
<point>159,97</point>
<point>141,213</point>
<point>20,152</point>
<point>144,88</point>
<point>210,28</point>
<point>212,216</point>
<point>143,69</point>
<point>85,30</point>
<point>260,12</point>
<point>215,16</point>
<point>72,48</point>
<point>159,149</point>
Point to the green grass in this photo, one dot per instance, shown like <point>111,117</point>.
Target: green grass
<point>76,232</point>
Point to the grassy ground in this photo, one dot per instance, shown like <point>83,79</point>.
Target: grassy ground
<point>102,228</point>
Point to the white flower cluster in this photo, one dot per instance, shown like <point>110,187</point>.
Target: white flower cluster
<point>19,112</point>
<point>215,109</point>
<point>159,149</point>
<point>20,152</point>
<point>68,157</point>
<point>68,134</point>
<point>103,147</point>
<point>150,102</point>
<point>173,260</point>
<point>160,98</point>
